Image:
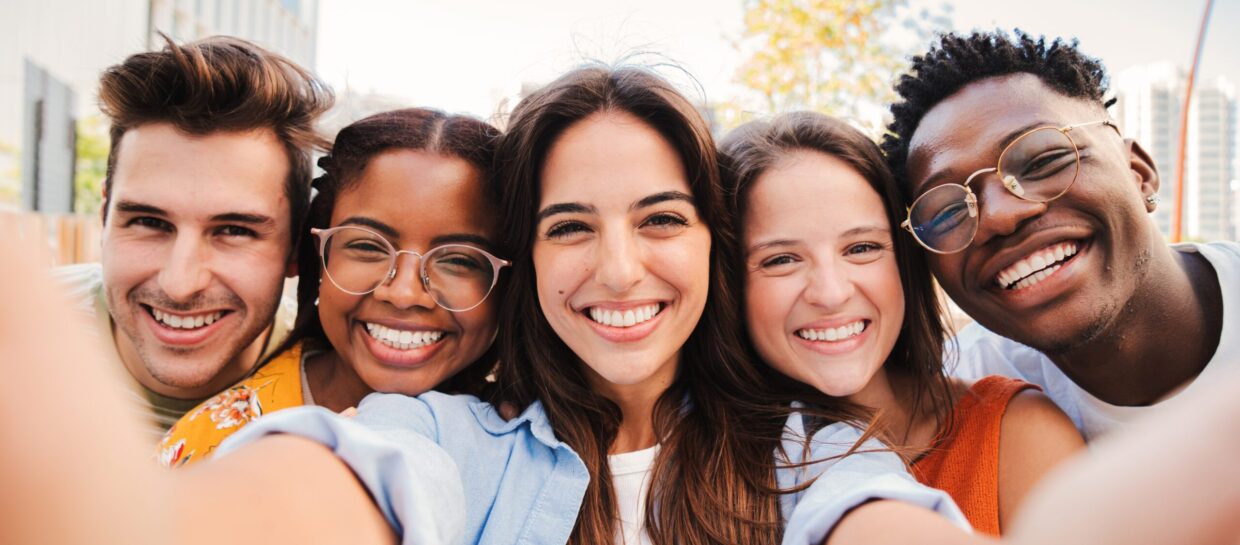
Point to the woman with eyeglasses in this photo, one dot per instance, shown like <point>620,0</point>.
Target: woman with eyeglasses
<point>395,280</point>
<point>836,297</point>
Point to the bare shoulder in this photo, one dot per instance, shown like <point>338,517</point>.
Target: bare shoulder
<point>1035,437</point>
<point>1030,410</point>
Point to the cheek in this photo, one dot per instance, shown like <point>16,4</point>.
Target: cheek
<point>685,263</point>
<point>768,304</point>
<point>334,309</point>
<point>478,328</point>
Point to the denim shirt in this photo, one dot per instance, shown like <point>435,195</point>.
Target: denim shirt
<point>422,458</point>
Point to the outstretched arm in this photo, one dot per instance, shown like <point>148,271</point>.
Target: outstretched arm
<point>77,467</point>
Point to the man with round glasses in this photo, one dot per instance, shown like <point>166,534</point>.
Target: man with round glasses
<point>1035,211</point>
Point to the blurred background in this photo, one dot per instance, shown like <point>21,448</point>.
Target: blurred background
<point>739,59</point>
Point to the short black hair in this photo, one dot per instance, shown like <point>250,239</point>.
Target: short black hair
<point>958,60</point>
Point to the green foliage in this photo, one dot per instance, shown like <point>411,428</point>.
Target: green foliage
<point>92,165</point>
<point>839,57</point>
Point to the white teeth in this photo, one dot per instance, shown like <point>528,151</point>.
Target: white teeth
<point>175,321</point>
<point>833,334</point>
<point>626,318</point>
<point>1036,267</point>
<point>402,339</point>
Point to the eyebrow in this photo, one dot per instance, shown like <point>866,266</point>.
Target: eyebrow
<point>463,238</point>
<point>131,207</point>
<point>579,208</point>
<point>240,217</point>
<point>662,197</point>
<point>373,224</point>
<point>785,242</point>
<point>934,179</point>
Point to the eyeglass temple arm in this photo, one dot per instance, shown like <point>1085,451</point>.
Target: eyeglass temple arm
<point>1106,122</point>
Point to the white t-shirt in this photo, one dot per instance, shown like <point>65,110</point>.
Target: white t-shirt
<point>983,352</point>
<point>630,478</point>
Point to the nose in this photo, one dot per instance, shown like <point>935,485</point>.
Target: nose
<point>186,271</point>
<point>1000,213</point>
<point>405,290</point>
<point>619,261</point>
<point>829,286</point>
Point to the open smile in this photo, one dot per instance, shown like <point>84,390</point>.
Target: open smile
<point>624,323</point>
<point>401,347</point>
<point>834,339</point>
<point>182,329</point>
<point>1037,266</point>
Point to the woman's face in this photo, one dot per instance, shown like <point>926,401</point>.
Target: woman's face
<point>397,338</point>
<point>823,299</point>
<point>621,257</point>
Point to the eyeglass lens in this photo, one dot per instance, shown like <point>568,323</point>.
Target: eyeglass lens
<point>1038,166</point>
<point>458,277</point>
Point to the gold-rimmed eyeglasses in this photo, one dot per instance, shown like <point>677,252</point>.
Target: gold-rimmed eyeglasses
<point>1040,165</point>
<point>357,260</point>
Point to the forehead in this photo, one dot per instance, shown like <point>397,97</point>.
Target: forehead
<point>183,174</point>
<point>610,157</point>
<point>810,195</point>
<point>965,130</point>
<point>420,194</point>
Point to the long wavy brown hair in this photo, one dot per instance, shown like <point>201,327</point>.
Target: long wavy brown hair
<point>719,423</point>
<point>752,149</point>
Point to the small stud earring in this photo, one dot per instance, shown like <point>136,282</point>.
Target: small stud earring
<point>1154,199</point>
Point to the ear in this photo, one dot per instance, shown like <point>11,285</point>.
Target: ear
<point>1144,173</point>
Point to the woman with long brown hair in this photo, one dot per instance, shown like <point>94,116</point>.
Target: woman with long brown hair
<point>835,298</point>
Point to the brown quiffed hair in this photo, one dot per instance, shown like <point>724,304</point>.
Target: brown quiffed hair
<point>718,424</point>
<point>418,129</point>
<point>220,84</point>
<point>754,148</point>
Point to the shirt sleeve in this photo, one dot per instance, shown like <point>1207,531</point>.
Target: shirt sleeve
<point>845,483</point>
<point>413,482</point>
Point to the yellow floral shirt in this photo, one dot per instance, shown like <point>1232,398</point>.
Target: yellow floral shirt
<point>274,386</point>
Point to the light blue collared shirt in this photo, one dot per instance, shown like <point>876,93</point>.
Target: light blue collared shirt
<point>427,459</point>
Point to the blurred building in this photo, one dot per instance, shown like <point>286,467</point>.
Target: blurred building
<point>1148,108</point>
<point>52,52</point>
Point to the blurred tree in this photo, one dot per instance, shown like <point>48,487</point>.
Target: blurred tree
<point>839,57</point>
<point>92,165</point>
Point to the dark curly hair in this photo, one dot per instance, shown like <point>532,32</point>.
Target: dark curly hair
<point>958,60</point>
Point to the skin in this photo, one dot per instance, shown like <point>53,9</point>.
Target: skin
<point>1104,317</point>
<point>455,212</point>
<point>812,264</point>
<point>306,495</point>
<point>195,225</point>
<point>617,230</point>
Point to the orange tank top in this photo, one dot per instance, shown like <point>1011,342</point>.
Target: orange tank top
<point>965,464</point>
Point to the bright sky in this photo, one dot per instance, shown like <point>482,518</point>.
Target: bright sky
<point>465,55</point>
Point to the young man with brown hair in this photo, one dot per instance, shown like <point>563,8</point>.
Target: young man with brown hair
<point>208,183</point>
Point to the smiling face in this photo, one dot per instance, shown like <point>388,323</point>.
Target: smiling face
<point>396,338</point>
<point>823,299</point>
<point>195,248</point>
<point>621,257</point>
<point>1050,275</point>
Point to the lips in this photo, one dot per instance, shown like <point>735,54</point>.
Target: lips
<point>624,322</point>
<point>835,337</point>
<point>1036,266</point>
<point>401,345</point>
<point>185,330</point>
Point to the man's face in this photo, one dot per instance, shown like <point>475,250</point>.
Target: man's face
<point>1093,244</point>
<point>195,247</point>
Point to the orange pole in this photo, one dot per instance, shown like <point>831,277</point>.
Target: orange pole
<point>1177,221</point>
